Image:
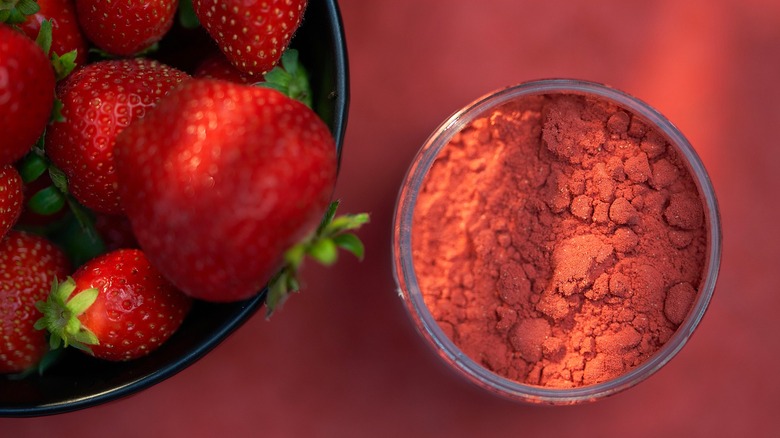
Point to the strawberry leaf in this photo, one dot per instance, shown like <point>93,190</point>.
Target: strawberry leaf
<point>187,17</point>
<point>58,178</point>
<point>290,78</point>
<point>32,167</point>
<point>28,7</point>
<point>350,243</point>
<point>321,246</point>
<point>278,290</point>
<point>82,300</point>
<point>56,111</point>
<point>47,201</point>
<point>63,66</point>
<point>16,11</point>
<point>324,251</point>
<point>44,37</point>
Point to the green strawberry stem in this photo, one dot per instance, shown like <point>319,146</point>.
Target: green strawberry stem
<point>61,313</point>
<point>290,78</point>
<point>322,246</point>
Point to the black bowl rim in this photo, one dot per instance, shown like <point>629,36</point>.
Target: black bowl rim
<point>249,307</point>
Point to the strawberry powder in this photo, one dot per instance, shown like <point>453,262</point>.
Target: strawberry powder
<point>559,241</point>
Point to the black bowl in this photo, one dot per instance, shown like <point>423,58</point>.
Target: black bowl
<point>78,381</point>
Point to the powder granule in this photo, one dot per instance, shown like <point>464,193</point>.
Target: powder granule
<point>559,240</point>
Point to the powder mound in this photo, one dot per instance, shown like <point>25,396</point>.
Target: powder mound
<point>578,261</point>
<point>513,285</point>
<point>623,212</point>
<point>664,174</point>
<point>684,211</point>
<point>529,336</point>
<point>567,135</point>
<point>637,168</point>
<point>626,338</point>
<point>678,302</point>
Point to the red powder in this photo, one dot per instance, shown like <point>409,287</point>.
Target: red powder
<point>559,240</point>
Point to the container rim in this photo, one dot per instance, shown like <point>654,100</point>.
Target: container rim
<point>409,289</point>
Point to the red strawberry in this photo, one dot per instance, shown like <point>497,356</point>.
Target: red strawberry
<point>217,66</point>
<point>10,198</point>
<point>99,101</point>
<point>66,34</point>
<point>26,93</point>
<point>252,35</point>
<point>219,179</point>
<point>116,307</point>
<point>125,28</point>
<point>30,264</point>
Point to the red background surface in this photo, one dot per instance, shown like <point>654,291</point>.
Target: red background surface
<point>342,359</point>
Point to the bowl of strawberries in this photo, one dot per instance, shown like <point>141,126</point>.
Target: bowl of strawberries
<point>167,168</point>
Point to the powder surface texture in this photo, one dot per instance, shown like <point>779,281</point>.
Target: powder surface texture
<point>559,240</point>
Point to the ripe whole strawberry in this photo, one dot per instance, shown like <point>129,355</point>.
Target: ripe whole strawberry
<point>116,307</point>
<point>125,28</point>
<point>98,102</point>
<point>30,264</point>
<point>10,198</point>
<point>26,93</point>
<point>219,179</point>
<point>66,33</point>
<point>253,35</point>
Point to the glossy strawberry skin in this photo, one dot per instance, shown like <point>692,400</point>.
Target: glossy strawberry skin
<point>10,198</point>
<point>136,309</point>
<point>32,264</point>
<point>240,175</point>
<point>99,101</point>
<point>66,33</point>
<point>26,93</point>
<point>125,28</point>
<point>252,35</point>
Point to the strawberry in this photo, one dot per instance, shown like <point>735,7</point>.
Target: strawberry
<point>125,28</point>
<point>253,35</point>
<point>98,102</point>
<point>30,264</point>
<point>26,93</point>
<point>116,307</point>
<point>217,66</point>
<point>10,198</point>
<point>66,34</point>
<point>219,179</point>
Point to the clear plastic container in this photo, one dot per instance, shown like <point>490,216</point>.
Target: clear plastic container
<point>409,289</point>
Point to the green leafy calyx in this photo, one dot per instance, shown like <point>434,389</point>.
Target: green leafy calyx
<point>61,313</point>
<point>290,78</point>
<point>332,234</point>
<point>16,11</point>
